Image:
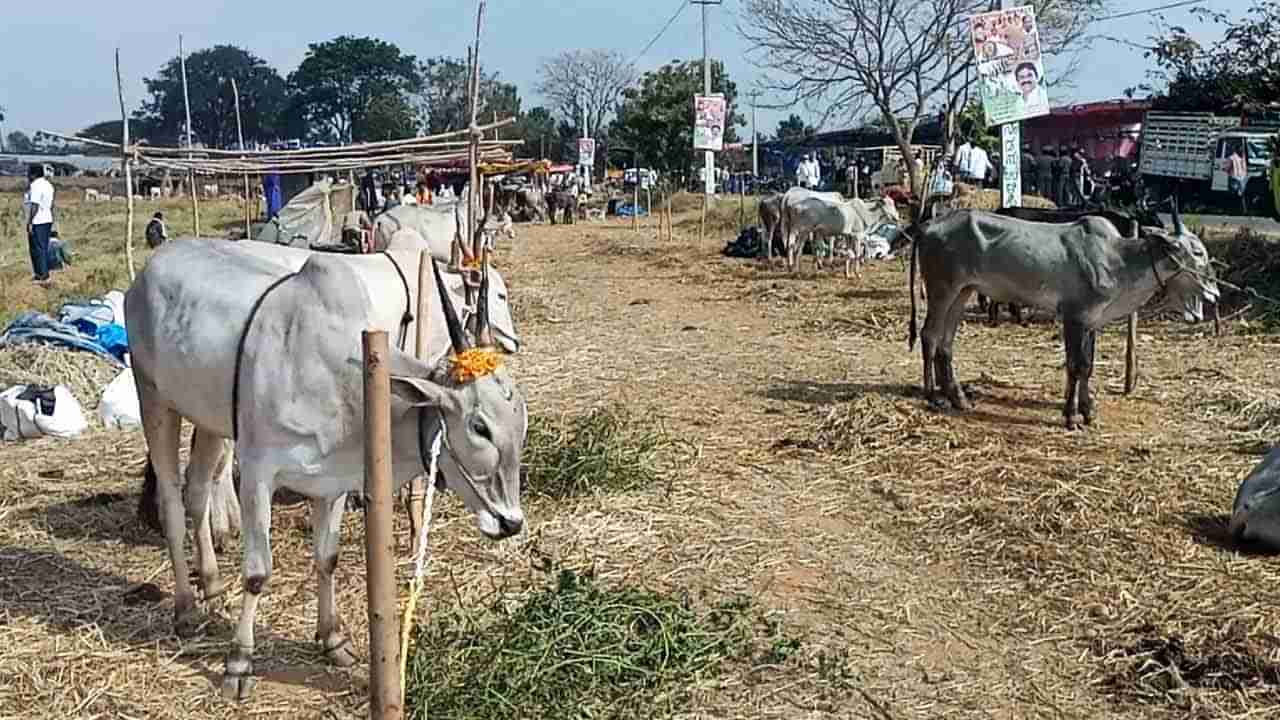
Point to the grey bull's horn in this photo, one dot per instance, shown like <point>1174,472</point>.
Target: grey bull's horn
<point>484,331</point>
<point>456,337</point>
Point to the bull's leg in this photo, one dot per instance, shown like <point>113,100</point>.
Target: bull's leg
<point>1016,311</point>
<point>1086,373</point>
<point>982,302</point>
<point>993,313</point>
<point>1073,334</point>
<point>326,530</point>
<point>946,353</point>
<point>161,427</point>
<point>255,542</point>
<point>931,335</point>
<point>207,453</point>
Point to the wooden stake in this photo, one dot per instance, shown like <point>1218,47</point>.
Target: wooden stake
<point>473,159</point>
<point>186,102</point>
<point>128,174</point>
<point>1217,320</point>
<point>240,132</point>
<point>1131,356</point>
<point>702,226</point>
<point>379,545</point>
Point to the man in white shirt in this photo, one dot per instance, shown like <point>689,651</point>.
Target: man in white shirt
<point>39,204</point>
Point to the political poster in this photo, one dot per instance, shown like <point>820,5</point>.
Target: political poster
<point>1006,44</point>
<point>708,122</point>
<point>587,152</point>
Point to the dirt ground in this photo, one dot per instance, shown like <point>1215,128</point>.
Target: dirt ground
<point>985,565</point>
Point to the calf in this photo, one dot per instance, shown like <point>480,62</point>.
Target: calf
<point>1084,270</point>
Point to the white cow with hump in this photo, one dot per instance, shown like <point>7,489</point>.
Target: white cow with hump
<point>808,214</point>
<point>246,347</point>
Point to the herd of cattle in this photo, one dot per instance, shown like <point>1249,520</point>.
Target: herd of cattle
<point>210,320</point>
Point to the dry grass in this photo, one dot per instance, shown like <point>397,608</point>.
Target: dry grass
<point>928,564</point>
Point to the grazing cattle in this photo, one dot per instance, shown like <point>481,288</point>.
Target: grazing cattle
<point>1085,271</point>
<point>770,221</point>
<point>1255,515</point>
<point>91,195</point>
<point>439,225</point>
<point>1126,224</point>
<point>272,359</point>
<point>531,201</point>
<point>564,200</point>
<point>831,215</point>
<point>391,300</point>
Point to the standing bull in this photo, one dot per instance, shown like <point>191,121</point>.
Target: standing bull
<point>805,213</point>
<point>1084,270</point>
<point>564,200</point>
<point>770,221</point>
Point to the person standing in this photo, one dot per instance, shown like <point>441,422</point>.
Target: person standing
<point>271,194</point>
<point>1061,171</point>
<point>1237,176</point>
<point>155,232</point>
<point>1044,172</point>
<point>39,204</point>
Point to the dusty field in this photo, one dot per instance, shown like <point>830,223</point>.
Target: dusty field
<point>943,566</point>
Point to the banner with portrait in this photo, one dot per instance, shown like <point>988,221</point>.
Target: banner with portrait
<point>708,122</point>
<point>1006,44</point>
<point>587,152</point>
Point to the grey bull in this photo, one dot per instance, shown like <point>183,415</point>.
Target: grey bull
<point>438,224</point>
<point>1255,514</point>
<point>225,339</point>
<point>1086,271</point>
<point>831,215</point>
<point>771,221</point>
<point>392,280</point>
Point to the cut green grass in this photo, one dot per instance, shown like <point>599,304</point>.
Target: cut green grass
<point>608,449</point>
<point>579,650</point>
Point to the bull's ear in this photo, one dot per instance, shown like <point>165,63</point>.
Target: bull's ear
<point>420,392</point>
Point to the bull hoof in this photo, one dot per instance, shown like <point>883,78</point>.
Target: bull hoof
<point>187,620</point>
<point>213,588</point>
<point>338,651</point>
<point>1075,422</point>
<point>237,676</point>
<point>937,402</point>
<point>961,403</point>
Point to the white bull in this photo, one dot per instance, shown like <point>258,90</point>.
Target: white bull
<point>805,213</point>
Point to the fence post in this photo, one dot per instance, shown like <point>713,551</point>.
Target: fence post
<point>379,543</point>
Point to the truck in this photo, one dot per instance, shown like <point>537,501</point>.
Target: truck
<point>1185,153</point>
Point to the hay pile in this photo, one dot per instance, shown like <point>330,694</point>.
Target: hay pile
<point>975,198</point>
<point>85,374</point>
<point>1252,262</point>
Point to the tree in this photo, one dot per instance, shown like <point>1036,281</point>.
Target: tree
<point>389,117</point>
<point>793,130</point>
<point>263,97</point>
<point>538,130</point>
<point>899,59</point>
<point>18,142</point>
<point>444,103</point>
<point>338,80</point>
<point>1239,70</point>
<point>656,118</point>
<point>590,81</point>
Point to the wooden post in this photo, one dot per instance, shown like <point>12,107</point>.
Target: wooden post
<point>128,174</point>
<point>379,545</point>
<point>1217,320</point>
<point>235,90</point>
<point>473,157</point>
<point>186,102</point>
<point>702,225</point>
<point>1131,355</point>
<point>635,202</point>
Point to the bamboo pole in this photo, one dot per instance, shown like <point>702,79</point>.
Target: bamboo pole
<point>1131,355</point>
<point>384,650</point>
<point>186,102</point>
<point>128,174</point>
<point>235,90</point>
<point>418,486</point>
<point>473,161</point>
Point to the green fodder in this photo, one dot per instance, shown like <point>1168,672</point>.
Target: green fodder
<point>577,649</point>
<point>606,448</point>
<point>1252,262</point>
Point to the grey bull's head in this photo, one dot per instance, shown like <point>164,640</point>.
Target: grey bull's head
<point>485,421</point>
<point>1255,515</point>
<point>1191,282</point>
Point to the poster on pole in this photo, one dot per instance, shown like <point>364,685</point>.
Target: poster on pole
<point>587,152</point>
<point>1010,165</point>
<point>708,122</point>
<point>1006,44</point>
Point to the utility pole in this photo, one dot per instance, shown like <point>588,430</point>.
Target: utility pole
<point>709,157</point>
<point>755,155</point>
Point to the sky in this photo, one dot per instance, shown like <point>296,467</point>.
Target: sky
<point>72,83</point>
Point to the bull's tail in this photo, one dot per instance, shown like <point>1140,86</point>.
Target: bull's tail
<point>912,327</point>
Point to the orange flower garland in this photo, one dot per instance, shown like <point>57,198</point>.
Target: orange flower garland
<point>474,363</point>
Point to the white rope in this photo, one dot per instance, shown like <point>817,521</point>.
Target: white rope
<point>420,561</point>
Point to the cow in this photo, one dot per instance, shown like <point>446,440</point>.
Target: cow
<point>831,215</point>
<point>1126,224</point>
<point>272,359</point>
<point>1084,270</point>
<point>1255,514</point>
<point>770,221</point>
<point>438,225</point>
<point>91,195</point>
<point>531,201</point>
<point>564,200</point>
<point>211,191</point>
<point>391,296</point>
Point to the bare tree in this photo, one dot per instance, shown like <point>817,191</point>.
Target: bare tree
<point>590,80</point>
<point>899,60</point>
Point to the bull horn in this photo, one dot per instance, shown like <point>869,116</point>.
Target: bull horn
<point>456,337</point>
<point>484,332</point>
<point>1178,229</point>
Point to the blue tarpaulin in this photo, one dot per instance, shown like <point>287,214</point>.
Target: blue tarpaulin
<point>108,340</point>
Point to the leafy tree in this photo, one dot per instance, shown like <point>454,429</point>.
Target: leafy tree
<point>389,117</point>
<point>893,58</point>
<point>18,142</point>
<point>538,130</point>
<point>656,118</point>
<point>590,81</point>
<point>793,130</point>
<point>1239,70</point>
<point>444,100</point>
<point>338,80</point>
<point>263,97</point>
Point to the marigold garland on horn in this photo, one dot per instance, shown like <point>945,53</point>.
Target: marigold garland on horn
<point>474,363</point>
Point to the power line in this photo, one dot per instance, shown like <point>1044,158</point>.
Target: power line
<point>1148,10</point>
<point>683,4</point>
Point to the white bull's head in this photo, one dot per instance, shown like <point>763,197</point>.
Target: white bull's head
<point>485,421</point>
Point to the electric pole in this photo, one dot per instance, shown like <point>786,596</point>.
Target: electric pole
<point>709,157</point>
<point>755,155</point>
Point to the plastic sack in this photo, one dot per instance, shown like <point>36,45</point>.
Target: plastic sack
<point>28,411</point>
<point>119,407</point>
